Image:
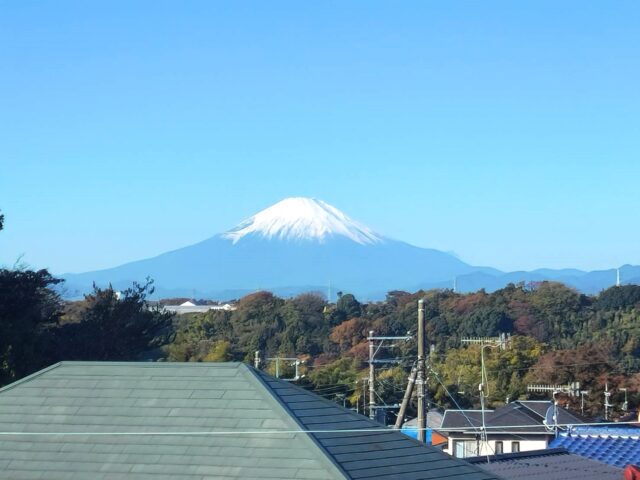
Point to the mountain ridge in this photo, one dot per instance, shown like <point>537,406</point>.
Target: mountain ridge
<point>299,244</point>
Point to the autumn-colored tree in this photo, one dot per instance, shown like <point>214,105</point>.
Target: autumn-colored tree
<point>350,333</point>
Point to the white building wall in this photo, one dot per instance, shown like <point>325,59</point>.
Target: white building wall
<point>465,447</point>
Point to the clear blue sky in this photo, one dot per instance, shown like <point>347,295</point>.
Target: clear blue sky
<point>507,132</point>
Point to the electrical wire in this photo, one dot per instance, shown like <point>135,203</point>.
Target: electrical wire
<point>291,432</point>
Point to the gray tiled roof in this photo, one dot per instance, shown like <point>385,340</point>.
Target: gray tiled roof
<point>381,453</point>
<point>526,416</point>
<point>170,410</point>
<point>552,464</point>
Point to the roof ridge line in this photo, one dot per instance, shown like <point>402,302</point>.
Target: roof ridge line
<point>328,458</point>
<point>144,363</point>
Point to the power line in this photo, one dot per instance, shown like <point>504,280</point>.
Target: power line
<point>290,432</point>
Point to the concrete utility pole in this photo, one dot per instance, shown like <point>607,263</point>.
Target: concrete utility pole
<point>375,344</point>
<point>607,394</point>
<point>625,405</point>
<point>406,398</point>
<point>420,376</point>
<point>372,388</point>
<point>582,394</point>
<point>364,395</point>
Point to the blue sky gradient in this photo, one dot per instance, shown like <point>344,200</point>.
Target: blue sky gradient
<point>507,132</point>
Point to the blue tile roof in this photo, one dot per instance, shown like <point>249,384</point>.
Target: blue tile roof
<point>613,445</point>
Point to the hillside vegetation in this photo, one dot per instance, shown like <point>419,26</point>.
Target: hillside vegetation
<point>557,336</point>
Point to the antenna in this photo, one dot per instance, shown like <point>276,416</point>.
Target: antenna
<point>484,393</point>
<point>617,277</point>
<point>501,341</point>
<point>572,389</point>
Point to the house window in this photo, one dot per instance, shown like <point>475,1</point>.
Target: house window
<point>463,449</point>
<point>515,447</point>
<point>499,448</point>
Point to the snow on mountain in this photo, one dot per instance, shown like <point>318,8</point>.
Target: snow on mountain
<point>300,218</point>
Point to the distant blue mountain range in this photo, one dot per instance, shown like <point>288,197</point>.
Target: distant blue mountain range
<point>303,244</point>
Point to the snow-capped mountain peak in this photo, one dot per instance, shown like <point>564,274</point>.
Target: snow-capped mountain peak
<point>300,218</point>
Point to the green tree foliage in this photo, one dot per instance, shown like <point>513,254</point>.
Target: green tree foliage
<point>221,352</point>
<point>29,307</point>
<point>460,372</point>
<point>114,326</point>
<point>623,297</point>
<point>262,322</point>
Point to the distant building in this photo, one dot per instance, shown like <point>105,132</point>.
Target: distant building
<point>515,427</point>
<point>191,307</point>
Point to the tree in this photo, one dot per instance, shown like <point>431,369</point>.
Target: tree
<point>256,322</point>
<point>349,306</point>
<point>624,296</point>
<point>221,352</point>
<point>115,327</point>
<point>28,306</point>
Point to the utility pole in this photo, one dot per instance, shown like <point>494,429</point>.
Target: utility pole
<point>420,376</point>
<point>375,344</point>
<point>372,388</point>
<point>364,395</point>
<point>406,398</point>
<point>607,394</point>
<point>625,405</point>
<point>582,394</point>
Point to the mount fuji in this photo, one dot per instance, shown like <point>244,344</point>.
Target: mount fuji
<point>298,244</point>
<point>303,244</point>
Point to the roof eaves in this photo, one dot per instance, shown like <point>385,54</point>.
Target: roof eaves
<point>518,455</point>
<point>28,378</point>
